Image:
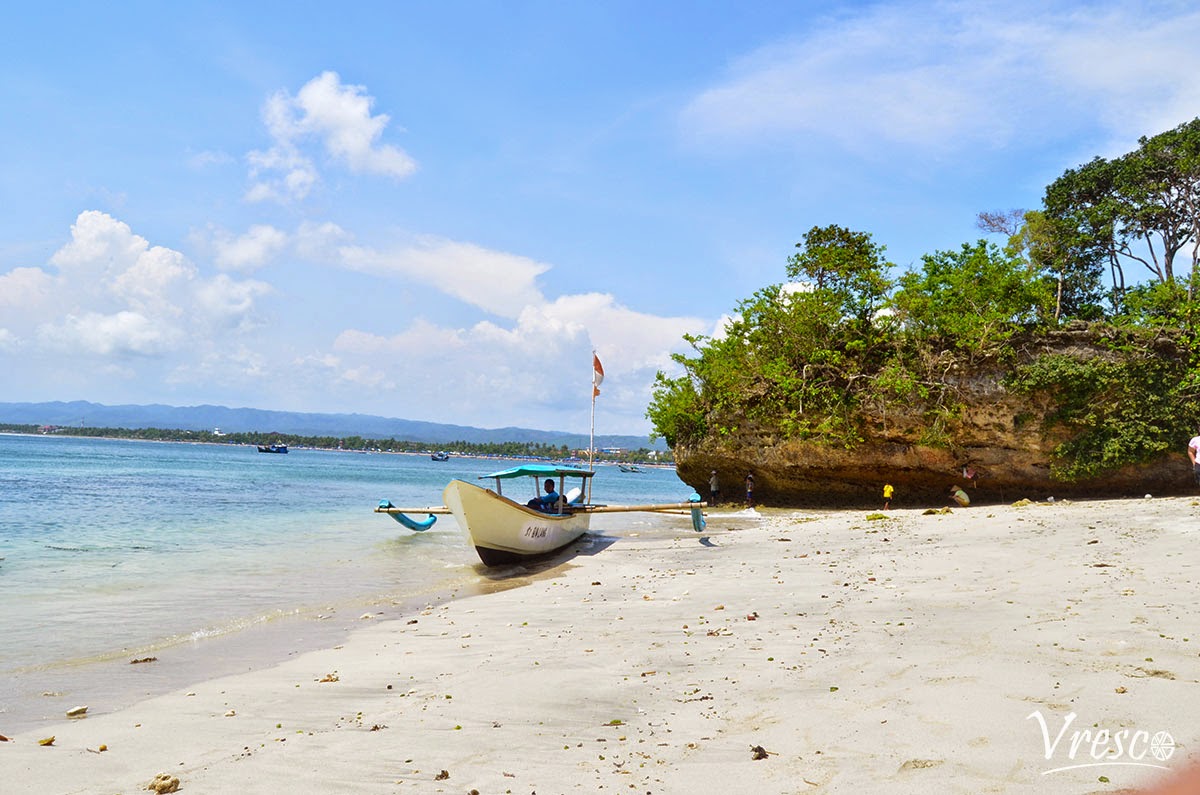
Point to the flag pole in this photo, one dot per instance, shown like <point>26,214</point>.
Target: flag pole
<point>595,391</point>
<point>597,379</point>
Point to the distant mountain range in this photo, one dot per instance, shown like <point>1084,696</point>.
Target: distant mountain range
<point>95,415</point>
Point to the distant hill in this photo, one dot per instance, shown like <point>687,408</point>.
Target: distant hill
<point>96,415</point>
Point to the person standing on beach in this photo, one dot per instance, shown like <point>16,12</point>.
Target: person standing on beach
<point>887,495</point>
<point>749,489</point>
<point>1194,455</point>
<point>714,488</point>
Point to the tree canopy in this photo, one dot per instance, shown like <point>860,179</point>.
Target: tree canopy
<point>842,347</point>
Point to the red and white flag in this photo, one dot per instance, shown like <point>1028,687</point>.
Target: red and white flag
<point>597,375</point>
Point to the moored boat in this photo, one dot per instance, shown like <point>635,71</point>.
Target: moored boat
<point>441,455</point>
<point>272,448</point>
<point>503,530</point>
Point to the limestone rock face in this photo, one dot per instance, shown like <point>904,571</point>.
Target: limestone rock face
<point>1000,437</point>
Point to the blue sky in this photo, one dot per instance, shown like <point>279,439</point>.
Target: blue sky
<point>436,211</point>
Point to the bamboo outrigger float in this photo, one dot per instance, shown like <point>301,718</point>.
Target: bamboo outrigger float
<point>505,531</point>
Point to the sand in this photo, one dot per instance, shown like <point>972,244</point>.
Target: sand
<point>822,653</point>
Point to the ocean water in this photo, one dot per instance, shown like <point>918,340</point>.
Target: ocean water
<point>216,558</point>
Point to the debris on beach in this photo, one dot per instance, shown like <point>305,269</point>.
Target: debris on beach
<point>46,741</point>
<point>920,764</point>
<point>758,752</point>
<point>445,774</point>
<point>3,739</point>
<point>77,712</point>
<point>333,677</point>
<point>143,660</point>
<point>164,782</point>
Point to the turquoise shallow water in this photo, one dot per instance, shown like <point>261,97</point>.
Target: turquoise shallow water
<point>216,558</point>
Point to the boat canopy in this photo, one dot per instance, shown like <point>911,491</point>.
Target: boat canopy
<point>539,471</point>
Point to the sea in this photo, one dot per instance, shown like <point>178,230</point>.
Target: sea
<point>129,568</point>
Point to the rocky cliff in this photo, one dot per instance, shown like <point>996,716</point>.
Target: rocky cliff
<point>1006,441</point>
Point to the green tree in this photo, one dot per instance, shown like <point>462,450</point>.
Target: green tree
<point>972,299</point>
<point>1053,251</point>
<point>1143,207</point>
<point>847,266</point>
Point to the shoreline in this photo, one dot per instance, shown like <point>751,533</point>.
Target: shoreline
<point>906,654</point>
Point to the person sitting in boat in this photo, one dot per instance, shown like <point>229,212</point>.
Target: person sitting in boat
<point>547,501</point>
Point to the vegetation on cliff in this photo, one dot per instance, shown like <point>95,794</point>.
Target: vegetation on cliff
<point>844,352</point>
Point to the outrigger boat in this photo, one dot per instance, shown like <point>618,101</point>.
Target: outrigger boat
<point>505,531</point>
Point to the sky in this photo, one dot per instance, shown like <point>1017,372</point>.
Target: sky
<point>438,211</point>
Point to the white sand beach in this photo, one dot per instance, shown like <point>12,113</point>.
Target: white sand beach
<point>827,654</point>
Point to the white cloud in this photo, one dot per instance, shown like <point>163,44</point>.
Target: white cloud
<point>229,302</point>
<point>117,296</point>
<point>319,242</point>
<point>229,367</point>
<point>22,288</point>
<point>152,279</point>
<point>100,247</point>
<point>538,366</point>
<point>259,245</point>
<point>339,117</point>
<point>494,281</point>
<point>123,310</point>
<point>280,174</point>
<point>119,334</point>
<point>960,75</point>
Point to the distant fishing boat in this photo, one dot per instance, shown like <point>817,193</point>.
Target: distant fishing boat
<point>504,530</point>
<point>272,448</point>
<point>629,468</point>
<point>441,455</point>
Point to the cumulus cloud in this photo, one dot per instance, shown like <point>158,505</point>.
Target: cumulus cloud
<point>929,76</point>
<point>537,364</point>
<point>229,302</point>
<point>249,251</point>
<point>108,294</point>
<point>338,117</point>
<point>121,333</point>
<point>25,287</point>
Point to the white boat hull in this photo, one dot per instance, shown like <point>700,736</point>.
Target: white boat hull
<point>503,531</point>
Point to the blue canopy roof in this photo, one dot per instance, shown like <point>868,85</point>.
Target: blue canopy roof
<point>539,471</point>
